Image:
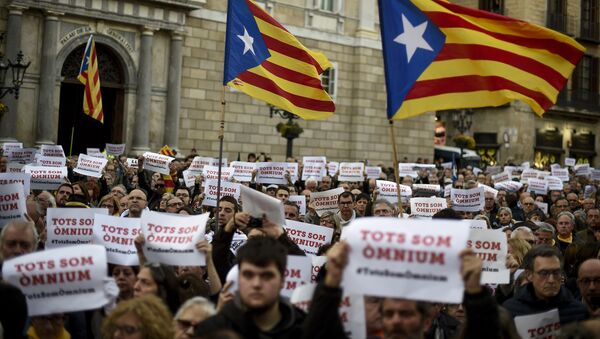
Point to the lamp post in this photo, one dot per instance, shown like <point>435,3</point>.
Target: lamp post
<point>290,130</point>
<point>17,68</point>
<point>462,121</point>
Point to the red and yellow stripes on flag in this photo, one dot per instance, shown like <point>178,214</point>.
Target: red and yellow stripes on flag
<point>490,60</point>
<point>89,75</point>
<point>167,179</point>
<point>290,78</point>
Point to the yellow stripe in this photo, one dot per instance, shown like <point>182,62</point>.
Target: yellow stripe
<point>293,64</point>
<point>285,37</point>
<point>292,87</point>
<point>414,107</point>
<point>461,67</point>
<point>273,99</point>
<point>467,36</point>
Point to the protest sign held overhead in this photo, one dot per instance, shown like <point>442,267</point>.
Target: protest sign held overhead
<point>308,237</point>
<point>157,162</point>
<point>570,162</point>
<point>90,166</point>
<point>537,186</point>
<point>326,201</point>
<point>292,168</point>
<point>554,183</point>
<point>46,178</point>
<point>561,173</point>
<point>388,190</point>
<point>299,200</point>
<point>373,172</point>
<point>529,173</point>
<point>351,171</point>
<point>117,236</point>
<point>22,155</point>
<point>332,168</point>
<point>61,280</point>
<point>227,189</point>
<point>471,200</point>
<point>258,204</point>
<point>132,163</point>
<point>9,146</point>
<point>491,247</point>
<point>488,189</point>
<point>51,161</point>
<point>189,178</point>
<point>427,188</point>
<point>510,186</point>
<point>212,172</point>
<point>271,173</point>
<point>426,207</point>
<point>14,178</point>
<point>52,151</point>
<point>501,177</point>
<point>171,238</point>
<point>315,167</point>
<point>115,149</point>
<point>12,203</point>
<point>95,152</point>
<point>70,226</point>
<point>243,170</point>
<point>297,273</point>
<point>414,259</point>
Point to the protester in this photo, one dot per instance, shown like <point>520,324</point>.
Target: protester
<point>159,280</point>
<point>588,282</point>
<point>144,317</point>
<point>190,314</point>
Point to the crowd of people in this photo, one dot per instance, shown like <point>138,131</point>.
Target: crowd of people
<point>553,257</point>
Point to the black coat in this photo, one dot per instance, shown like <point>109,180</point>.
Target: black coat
<point>525,303</point>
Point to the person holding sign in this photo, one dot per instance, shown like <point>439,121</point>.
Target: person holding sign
<point>545,292</point>
<point>258,310</point>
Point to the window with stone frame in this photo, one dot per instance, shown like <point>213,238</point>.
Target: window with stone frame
<point>590,19</point>
<point>585,81</point>
<point>329,80</point>
<point>556,18</point>
<point>327,5</point>
<point>494,6</point>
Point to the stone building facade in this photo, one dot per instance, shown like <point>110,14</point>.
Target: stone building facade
<point>161,67</point>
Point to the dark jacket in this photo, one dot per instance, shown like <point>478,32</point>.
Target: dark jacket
<point>525,303</point>
<point>294,322</point>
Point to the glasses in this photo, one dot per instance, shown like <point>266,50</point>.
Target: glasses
<point>528,204</point>
<point>175,204</point>
<point>107,205</point>
<point>186,324</point>
<point>127,329</point>
<point>545,274</point>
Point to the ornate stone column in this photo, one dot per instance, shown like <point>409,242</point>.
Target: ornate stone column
<point>171,136</point>
<point>141,129</point>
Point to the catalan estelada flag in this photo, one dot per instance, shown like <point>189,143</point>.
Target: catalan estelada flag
<point>167,179</point>
<point>265,61</point>
<point>440,56</point>
<point>89,75</point>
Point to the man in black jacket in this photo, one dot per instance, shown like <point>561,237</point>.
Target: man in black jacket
<point>258,311</point>
<point>545,292</point>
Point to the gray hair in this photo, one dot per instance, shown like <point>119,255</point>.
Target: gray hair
<point>521,229</point>
<point>382,201</point>
<point>544,227</point>
<point>568,214</point>
<point>311,179</point>
<point>505,209</point>
<point>20,224</point>
<point>207,307</point>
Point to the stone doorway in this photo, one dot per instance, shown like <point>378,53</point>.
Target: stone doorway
<point>88,132</point>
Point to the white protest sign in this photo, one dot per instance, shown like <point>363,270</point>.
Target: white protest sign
<point>90,166</point>
<point>271,173</point>
<point>95,152</point>
<point>243,170</point>
<point>415,259</point>
<point>292,168</point>
<point>493,169</point>
<point>46,178</point>
<point>555,165</point>
<point>212,172</point>
<point>215,162</point>
<point>447,190</point>
<point>12,203</point>
<point>407,170</point>
<point>554,183</point>
<point>510,186</point>
<point>61,280</point>
<point>351,310</point>
<point>488,189</point>
<point>308,237</point>
<point>500,177</point>
<point>538,186</point>
<point>51,161</point>
<point>582,170</point>
<point>447,164</point>
<point>477,224</point>
<point>471,200</point>
<point>157,163</point>
<point>8,146</point>
<point>509,169</point>
<point>117,235</point>
<point>570,161</point>
<point>327,200</point>
<point>526,164</point>
<point>490,246</point>
<point>529,173</point>
<point>426,207</point>
<point>227,189</point>
<point>21,155</point>
<point>132,163</point>
<point>14,167</point>
<point>543,174</point>
<point>257,203</point>
<point>332,167</point>
<point>313,167</point>
<point>373,172</point>
<point>542,206</point>
<point>351,171</point>
<point>70,226</point>
<point>114,149</point>
<point>52,151</point>
<point>189,178</point>
<point>388,190</point>
<point>539,326</point>
<point>434,189</point>
<point>561,173</point>
<point>13,178</point>
<point>477,170</point>
<point>297,273</point>
<point>198,163</point>
<point>92,150</point>
<point>595,174</point>
<point>317,264</point>
<point>171,238</point>
<point>299,200</point>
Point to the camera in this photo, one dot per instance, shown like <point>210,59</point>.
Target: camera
<point>254,222</point>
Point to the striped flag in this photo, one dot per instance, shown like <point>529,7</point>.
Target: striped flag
<point>89,75</point>
<point>265,61</point>
<point>439,55</point>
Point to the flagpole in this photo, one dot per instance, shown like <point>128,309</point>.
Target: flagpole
<point>73,130</point>
<point>396,174</point>
<point>221,136</point>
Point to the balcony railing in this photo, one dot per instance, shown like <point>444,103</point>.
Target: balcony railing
<point>579,99</point>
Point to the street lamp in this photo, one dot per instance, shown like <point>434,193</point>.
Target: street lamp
<point>290,130</point>
<point>462,121</point>
<point>17,69</point>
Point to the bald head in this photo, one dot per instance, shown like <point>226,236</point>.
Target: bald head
<point>588,281</point>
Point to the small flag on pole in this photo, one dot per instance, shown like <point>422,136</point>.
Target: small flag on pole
<point>89,75</point>
<point>439,55</point>
<point>265,61</point>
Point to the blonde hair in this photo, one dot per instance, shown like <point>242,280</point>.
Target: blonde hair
<point>519,248</point>
<point>154,316</point>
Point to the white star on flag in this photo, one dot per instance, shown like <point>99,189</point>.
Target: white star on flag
<point>248,41</point>
<point>412,37</point>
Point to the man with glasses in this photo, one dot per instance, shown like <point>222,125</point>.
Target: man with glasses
<point>561,205</point>
<point>544,234</point>
<point>174,205</point>
<point>346,208</point>
<point>588,282</point>
<point>592,218</point>
<point>184,194</point>
<point>544,292</point>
